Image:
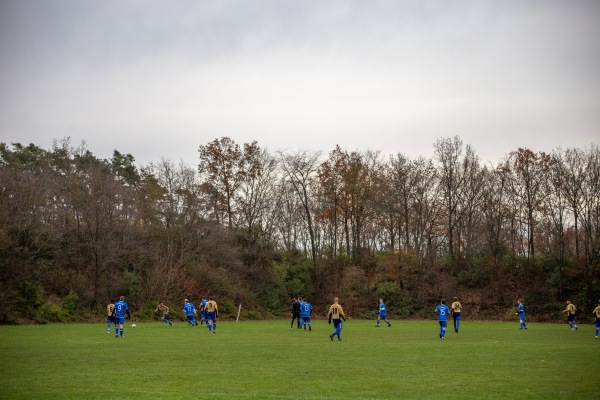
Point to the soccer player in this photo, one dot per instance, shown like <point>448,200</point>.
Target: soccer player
<point>382,314</point>
<point>203,310</point>
<point>212,312</point>
<point>305,313</point>
<point>521,313</point>
<point>456,308</point>
<point>165,312</point>
<point>442,312</point>
<point>119,312</point>
<point>596,313</point>
<point>295,313</point>
<point>336,313</point>
<point>110,319</point>
<point>190,312</point>
<point>570,310</point>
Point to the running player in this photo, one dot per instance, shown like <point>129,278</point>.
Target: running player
<point>212,313</point>
<point>165,312</point>
<point>382,314</point>
<point>190,312</point>
<point>570,310</point>
<point>203,310</point>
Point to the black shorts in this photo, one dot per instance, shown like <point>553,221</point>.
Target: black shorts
<point>296,315</point>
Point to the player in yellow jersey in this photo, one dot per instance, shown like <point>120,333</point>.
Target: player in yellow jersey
<point>110,319</point>
<point>596,313</point>
<point>336,313</point>
<point>165,312</point>
<point>455,310</point>
<point>212,312</point>
<point>570,310</point>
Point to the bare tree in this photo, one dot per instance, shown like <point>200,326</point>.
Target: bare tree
<point>300,169</point>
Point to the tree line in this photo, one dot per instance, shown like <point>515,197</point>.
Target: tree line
<point>255,227</point>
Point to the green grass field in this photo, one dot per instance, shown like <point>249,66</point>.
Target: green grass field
<point>267,360</point>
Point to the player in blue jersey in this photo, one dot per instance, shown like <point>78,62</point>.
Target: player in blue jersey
<point>190,312</point>
<point>119,311</point>
<point>305,313</point>
<point>382,314</point>
<point>442,312</point>
<point>203,310</point>
<point>521,313</point>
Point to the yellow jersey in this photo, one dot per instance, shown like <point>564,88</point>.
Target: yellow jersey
<point>596,312</point>
<point>164,309</point>
<point>570,309</point>
<point>336,312</point>
<point>211,306</point>
<point>109,309</point>
<point>456,307</point>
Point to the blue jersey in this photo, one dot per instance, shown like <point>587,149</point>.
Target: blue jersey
<point>203,304</point>
<point>305,309</point>
<point>442,311</point>
<point>120,309</point>
<point>382,308</point>
<point>189,309</point>
<point>521,309</point>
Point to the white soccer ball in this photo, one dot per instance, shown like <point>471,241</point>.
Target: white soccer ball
<point>133,325</point>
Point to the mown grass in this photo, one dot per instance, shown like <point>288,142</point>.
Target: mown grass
<point>267,360</point>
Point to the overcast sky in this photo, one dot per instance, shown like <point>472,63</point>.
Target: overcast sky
<point>159,78</point>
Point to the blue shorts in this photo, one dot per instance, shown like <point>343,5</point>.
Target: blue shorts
<point>165,316</point>
<point>120,320</point>
<point>522,317</point>
<point>597,322</point>
<point>211,316</point>
<point>382,315</point>
<point>337,324</point>
<point>203,315</point>
<point>456,316</point>
<point>190,318</point>
<point>443,324</point>
<point>110,319</point>
<point>571,317</point>
<point>306,319</point>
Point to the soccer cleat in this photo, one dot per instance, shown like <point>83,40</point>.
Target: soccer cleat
<point>389,325</point>
<point>331,337</point>
<point>340,339</point>
<point>310,328</point>
<point>456,330</point>
<point>575,327</point>
<point>377,326</point>
<point>440,335</point>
